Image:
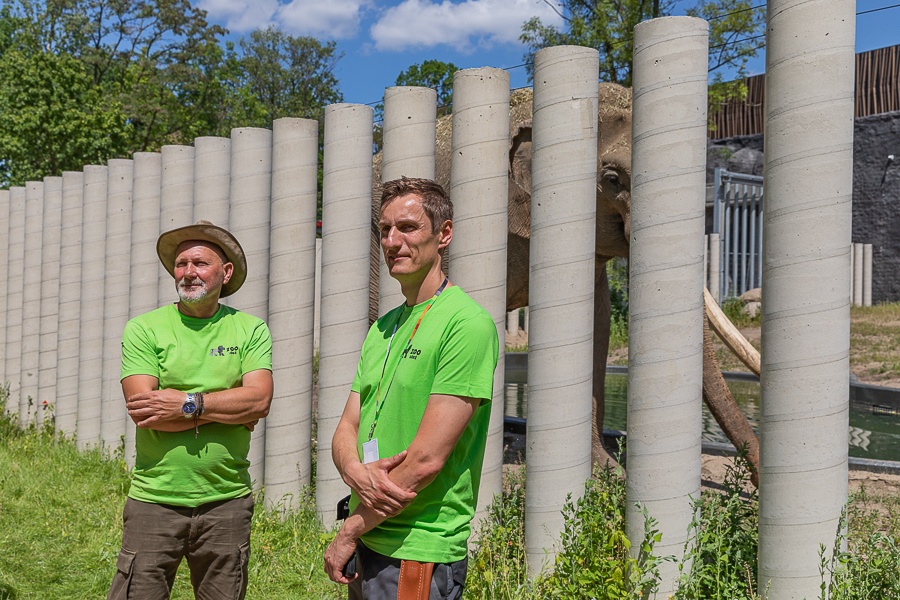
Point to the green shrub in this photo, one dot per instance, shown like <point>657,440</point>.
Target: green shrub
<point>723,541</point>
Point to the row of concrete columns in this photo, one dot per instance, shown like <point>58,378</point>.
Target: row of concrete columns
<point>271,210</point>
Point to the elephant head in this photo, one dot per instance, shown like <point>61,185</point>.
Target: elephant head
<point>613,183</point>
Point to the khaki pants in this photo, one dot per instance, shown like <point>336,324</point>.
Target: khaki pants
<point>214,537</point>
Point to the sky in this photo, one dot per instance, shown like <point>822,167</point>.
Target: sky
<point>381,38</point>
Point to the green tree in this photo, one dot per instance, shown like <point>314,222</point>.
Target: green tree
<point>608,26</point>
<point>54,119</point>
<point>278,75</point>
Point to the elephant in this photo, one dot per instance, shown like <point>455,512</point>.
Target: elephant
<point>613,229</point>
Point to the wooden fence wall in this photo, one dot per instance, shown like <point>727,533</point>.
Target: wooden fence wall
<point>877,91</point>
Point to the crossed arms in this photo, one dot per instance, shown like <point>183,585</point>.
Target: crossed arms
<point>152,408</point>
<point>387,486</point>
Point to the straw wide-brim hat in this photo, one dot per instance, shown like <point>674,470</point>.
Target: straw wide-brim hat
<point>205,231</point>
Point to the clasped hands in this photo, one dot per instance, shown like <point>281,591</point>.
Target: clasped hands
<point>375,488</point>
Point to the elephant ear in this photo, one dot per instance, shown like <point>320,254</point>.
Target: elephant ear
<point>520,178</point>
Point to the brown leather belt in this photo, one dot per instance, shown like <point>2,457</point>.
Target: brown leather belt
<point>415,580</point>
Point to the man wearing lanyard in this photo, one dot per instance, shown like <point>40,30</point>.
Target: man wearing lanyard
<point>410,443</point>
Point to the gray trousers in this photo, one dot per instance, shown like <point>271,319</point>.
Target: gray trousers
<point>214,538</point>
<point>378,576</point>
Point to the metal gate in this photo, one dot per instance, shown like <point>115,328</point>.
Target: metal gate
<point>738,219</point>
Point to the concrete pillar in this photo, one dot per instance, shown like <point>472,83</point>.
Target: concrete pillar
<point>212,179</point>
<point>176,206</point>
<point>665,321</point>
<point>867,275</point>
<point>805,314</point>
<point>144,280</point>
<point>409,149</point>
<point>346,193</point>
<point>715,250</point>
<point>116,306</point>
<point>50,249</point>
<point>317,302</point>
<point>852,270</point>
<point>512,322</point>
<point>4,275</point>
<point>292,271</point>
<point>93,272</point>
<point>67,342</point>
<point>249,214</point>
<point>479,184</point>
<point>858,260</point>
<point>563,207</point>
<point>525,320</point>
<point>31,301</point>
<point>15,285</point>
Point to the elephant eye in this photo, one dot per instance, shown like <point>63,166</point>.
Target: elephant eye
<point>611,178</point>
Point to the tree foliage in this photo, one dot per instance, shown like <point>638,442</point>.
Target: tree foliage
<point>608,25</point>
<point>111,77</point>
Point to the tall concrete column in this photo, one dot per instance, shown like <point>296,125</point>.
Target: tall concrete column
<point>292,272</point>
<point>90,343</point>
<point>410,114</point>
<point>50,250</point>
<point>31,301</point>
<point>212,179</point>
<point>346,194</point>
<point>512,322</point>
<point>67,342</point>
<point>4,275</point>
<point>144,280</point>
<point>15,285</point>
<point>479,184</point>
<point>249,216</point>
<point>176,206</point>
<point>117,283</point>
<point>665,320</point>
<point>563,207</point>
<point>804,412</point>
<point>867,275</point>
<point>858,274</point>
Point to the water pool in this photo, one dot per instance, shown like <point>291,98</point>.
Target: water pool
<point>874,430</point>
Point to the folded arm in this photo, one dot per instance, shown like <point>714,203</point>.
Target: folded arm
<point>152,408</point>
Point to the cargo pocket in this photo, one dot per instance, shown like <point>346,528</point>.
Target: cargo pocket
<point>243,567</point>
<point>122,579</point>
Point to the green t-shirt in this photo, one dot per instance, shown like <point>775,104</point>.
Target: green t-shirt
<point>453,352</point>
<point>194,355</point>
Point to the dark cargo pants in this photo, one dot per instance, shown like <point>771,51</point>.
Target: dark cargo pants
<point>214,537</point>
<point>378,577</point>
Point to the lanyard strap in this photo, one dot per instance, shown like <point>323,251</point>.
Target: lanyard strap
<point>379,406</point>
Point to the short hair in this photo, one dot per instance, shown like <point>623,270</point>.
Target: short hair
<point>435,201</point>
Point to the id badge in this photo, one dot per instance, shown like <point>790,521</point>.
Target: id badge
<point>370,451</point>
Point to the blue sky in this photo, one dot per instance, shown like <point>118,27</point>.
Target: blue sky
<point>381,38</point>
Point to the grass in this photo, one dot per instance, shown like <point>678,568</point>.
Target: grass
<point>60,530</point>
<point>61,527</point>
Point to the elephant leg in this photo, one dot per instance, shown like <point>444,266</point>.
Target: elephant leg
<point>723,407</point>
<point>602,310</point>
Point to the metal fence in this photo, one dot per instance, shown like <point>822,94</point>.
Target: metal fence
<point>738,219</point>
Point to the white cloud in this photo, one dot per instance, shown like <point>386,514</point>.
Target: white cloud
<point>325,19</point>
<point>240,15</point>
<point>463,25</point>
<point>331,19</point>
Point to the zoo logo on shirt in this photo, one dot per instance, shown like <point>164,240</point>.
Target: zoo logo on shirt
<point>223,351</point>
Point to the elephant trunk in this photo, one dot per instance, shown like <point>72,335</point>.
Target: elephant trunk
<point>724,409</point>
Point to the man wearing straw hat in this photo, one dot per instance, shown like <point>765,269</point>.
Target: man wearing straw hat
<point>411,441</point>
<point>196,376</point>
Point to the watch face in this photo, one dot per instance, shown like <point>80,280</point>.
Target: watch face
<point>188,407</point>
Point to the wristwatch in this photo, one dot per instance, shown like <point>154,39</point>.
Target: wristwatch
<point>190,406</point>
